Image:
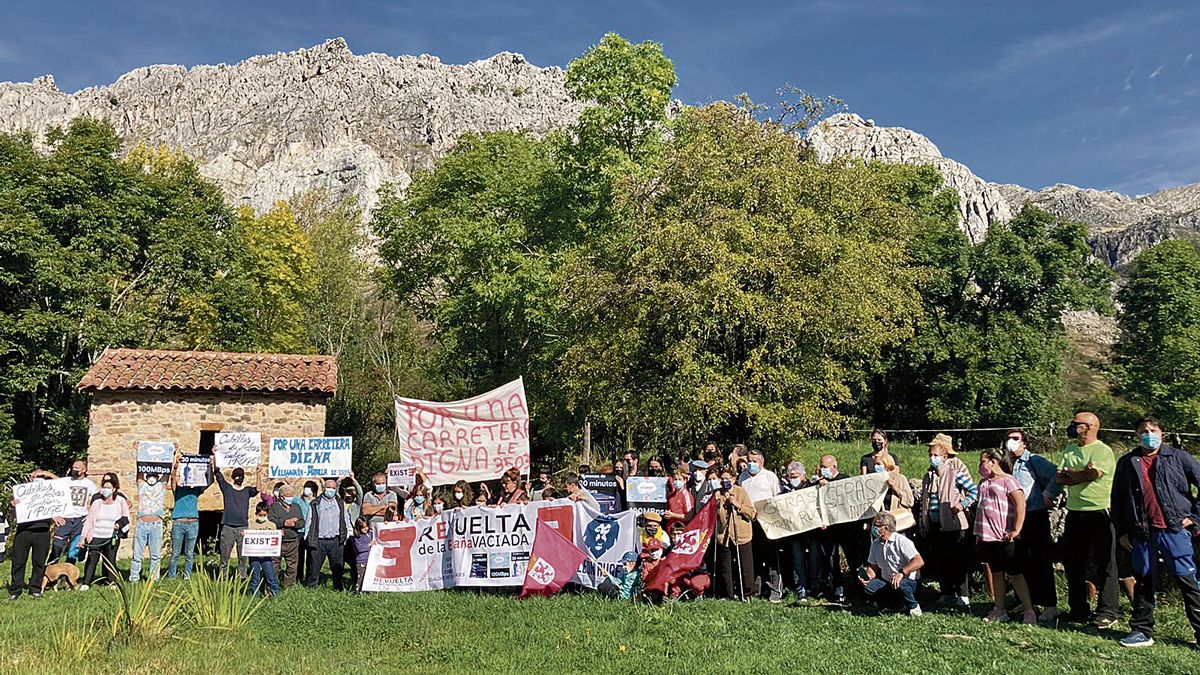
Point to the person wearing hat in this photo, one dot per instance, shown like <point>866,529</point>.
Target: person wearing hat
<point>947,491</point>
<point>700,487</point>
<point>653,530</point>
<point>629,582</point>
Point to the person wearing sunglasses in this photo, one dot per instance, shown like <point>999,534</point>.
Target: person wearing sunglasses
<point>1089,541</point>
<point>1036,475</point>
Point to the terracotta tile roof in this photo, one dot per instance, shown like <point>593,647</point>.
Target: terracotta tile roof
<point>211,371</point>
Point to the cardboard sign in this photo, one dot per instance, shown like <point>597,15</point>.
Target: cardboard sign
<point>238,449</point>
<point>262,543</point>
<point>311,457</point>
<point>605,488</point>
<point>402,475</point>
<point>644,494</point>
<point>839,501</point>
<point>42,499</point>
<point>154,458</point>
<point>474,439</point>
<point>193,471</point>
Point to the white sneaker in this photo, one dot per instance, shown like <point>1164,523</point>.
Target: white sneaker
<point>915,611</point>
<point>83,587</point>
<point>962,601</point>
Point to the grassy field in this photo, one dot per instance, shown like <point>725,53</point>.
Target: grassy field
<point>455,631</point>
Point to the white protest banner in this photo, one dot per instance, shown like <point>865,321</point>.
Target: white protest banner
<point>311,457</point>
<point>42,499</point>
<point>836,502</point>
<point>473,439</point>
<point>154,458</point>
<point>238,449</point>
<point>261,543</point>
<point>605,538</point>
<point>410,556</point>
<point>490,546</point>
<point>646,494</point>
<point>193,471</point>
<point>401,475</point>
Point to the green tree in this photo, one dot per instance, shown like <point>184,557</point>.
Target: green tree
<point>1157,362</point>
<point>987,346</point>
<point>743,288</point>
<point>95,251</point>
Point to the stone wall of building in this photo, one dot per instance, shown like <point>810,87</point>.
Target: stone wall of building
<point>118,420</point>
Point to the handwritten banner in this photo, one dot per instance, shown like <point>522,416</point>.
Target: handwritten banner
<point>238,449</point>
<point>402,475</point>
<point>311,457</point>
<point>154,458</point>
<point>193,471</point>
<point>261,543</point>
<point>840,501</point>
<point>42,499</point>
<point>473,439</point>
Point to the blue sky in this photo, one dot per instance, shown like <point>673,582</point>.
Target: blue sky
<point>1099,94</point>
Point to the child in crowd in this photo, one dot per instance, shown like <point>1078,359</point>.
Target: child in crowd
<point>628,584</point>
<point>439,504</point>
<point>263,568</point>
<point>362,548</point>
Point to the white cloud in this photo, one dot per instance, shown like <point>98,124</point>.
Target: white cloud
<point>1155,73</point>
<point>1187,59</point>
<point>1129,80</point>
<point>1026,53</point>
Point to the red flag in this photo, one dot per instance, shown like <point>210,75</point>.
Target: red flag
<point>687,552</point>
<point>552,562</point>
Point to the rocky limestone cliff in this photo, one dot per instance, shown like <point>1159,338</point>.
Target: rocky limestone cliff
<point>278,125</point>
<point>848,135</point>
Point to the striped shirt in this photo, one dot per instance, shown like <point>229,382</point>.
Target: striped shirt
<point>965,485</point>
<point>996,515</point>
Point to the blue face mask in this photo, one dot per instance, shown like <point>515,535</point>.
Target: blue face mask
<point>874,532</point>
<point>935,461</point>
<point>679,483</point>
<point>726,485</point>
<point>288,500</point>
<point>330,492</point>
<point>879,468</point>
<point>106,492</point>
<point>753,467</point>
<point>827,473</point>
<point>420,499</point>
<point>1151,441</point>
<point>380,488</point>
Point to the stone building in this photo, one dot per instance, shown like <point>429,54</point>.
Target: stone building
<point>187,397</point>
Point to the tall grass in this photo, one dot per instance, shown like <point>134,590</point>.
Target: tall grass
<point>217,600</point>
<point>143,612</point>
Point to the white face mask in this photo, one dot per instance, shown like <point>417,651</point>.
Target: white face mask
<point>458,496</point>
<point>714,484</point>
<point>1012,445</point>
<point>796,482</point>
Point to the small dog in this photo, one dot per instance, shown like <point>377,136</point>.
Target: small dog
<point>58,571</point>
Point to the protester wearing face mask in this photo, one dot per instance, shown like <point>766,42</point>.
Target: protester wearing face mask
<point>328,529</point>
<point>185,523</point>
<point>947,491</point>
<point>698,484</point>
<point>262,568</point>
<point>1156,517</point>
<point>309,492</point>
<point>418,504</point>
<point>286,515</point>
<point>998,525</point>
<point>893,565</point>
<point>1035,548</point>
<point>824,562</point>
<point>652,529</point>
<point>654,467</point>
<point>760,484</point>
<point>462,496</point>
<point>69,527</point>
<point>681,503</point>
<point>873,461</point>
<point>148,531</point>
<point>1089,542</point>
<point>733,537</point>
<point>375,502</point>
<point>797,545</point>
<point>352,498</point>
<point>235,517</point>
<point>107,518</point>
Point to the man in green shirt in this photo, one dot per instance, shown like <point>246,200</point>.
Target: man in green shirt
<point>1089,546</point>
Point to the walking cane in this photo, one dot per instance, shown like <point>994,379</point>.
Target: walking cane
<point>737,552</point>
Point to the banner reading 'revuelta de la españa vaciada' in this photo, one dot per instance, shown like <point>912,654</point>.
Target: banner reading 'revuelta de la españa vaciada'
<point>474,439</point>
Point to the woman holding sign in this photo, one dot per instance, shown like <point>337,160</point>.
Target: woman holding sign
<point>107,520</point>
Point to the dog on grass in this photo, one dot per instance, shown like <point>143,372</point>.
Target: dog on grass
<point>59,571</point>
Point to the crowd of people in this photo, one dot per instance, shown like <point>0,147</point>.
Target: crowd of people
<point>936,532</point>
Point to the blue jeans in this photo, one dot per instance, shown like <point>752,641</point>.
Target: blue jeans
<point>264,567</point>
<point>800,579</point>
<point>881,589</point>
<point>146,535</point>
<point>183,540</point>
